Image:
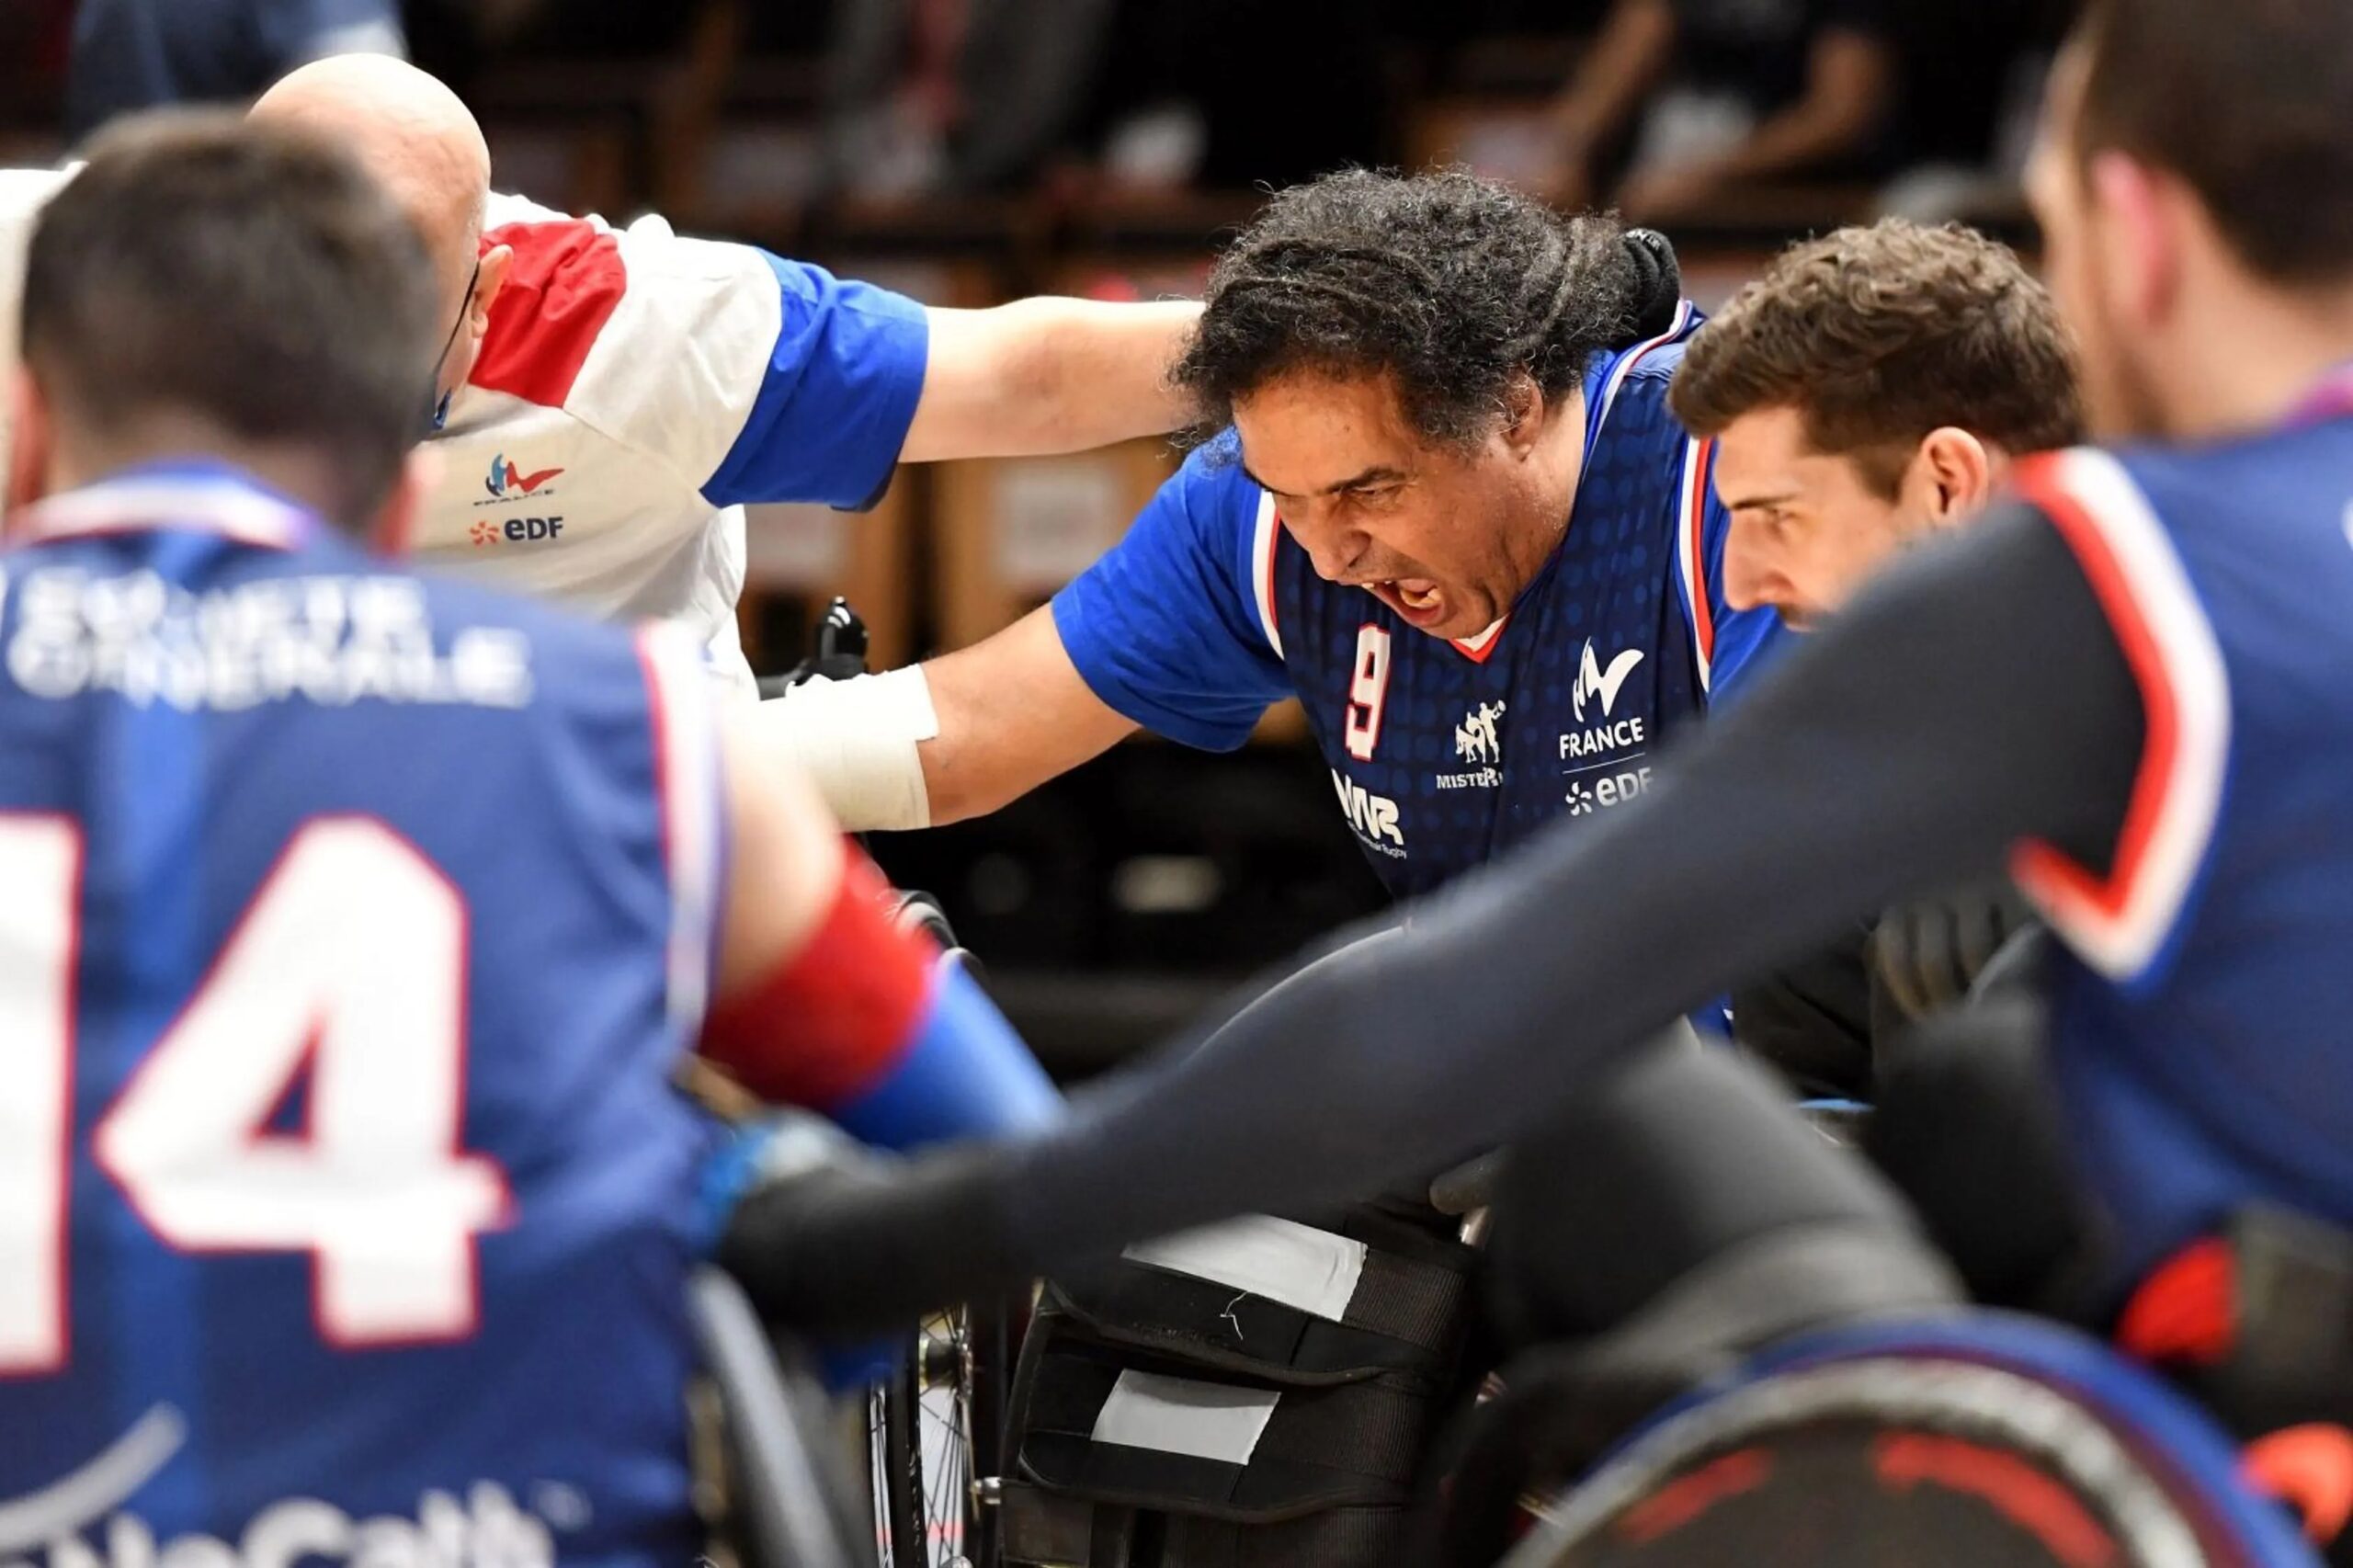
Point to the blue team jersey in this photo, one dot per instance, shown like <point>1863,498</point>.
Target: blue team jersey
<point>354,923</point>
<point>2201,1011</point>
<point>1442,753</point>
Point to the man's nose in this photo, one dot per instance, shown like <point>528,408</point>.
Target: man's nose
<point>1752,575</point>
<point>1333,546</point>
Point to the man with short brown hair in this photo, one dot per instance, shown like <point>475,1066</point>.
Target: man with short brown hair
<point>1872,387</point>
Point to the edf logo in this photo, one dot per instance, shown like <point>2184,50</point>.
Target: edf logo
<point>517,529</point>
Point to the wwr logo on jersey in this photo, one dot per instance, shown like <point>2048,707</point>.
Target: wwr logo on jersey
<point>1374,816</point>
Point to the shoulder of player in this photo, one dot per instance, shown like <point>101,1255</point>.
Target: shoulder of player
<point>578,282</point>
<point>1211,480</point>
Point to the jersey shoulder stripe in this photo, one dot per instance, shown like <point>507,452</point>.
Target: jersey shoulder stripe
<point>2123,923</point>
<point>1265,534</point>
<point>686,773</point>
<point>1691,552</point>
<point>562,289</point>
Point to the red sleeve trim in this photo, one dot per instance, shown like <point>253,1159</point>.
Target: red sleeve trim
<point>2047,871</point>
<point>830,1022</point>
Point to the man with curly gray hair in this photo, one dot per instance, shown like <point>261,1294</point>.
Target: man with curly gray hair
<point>1439,495</point>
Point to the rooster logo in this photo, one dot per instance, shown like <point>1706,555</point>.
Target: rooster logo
<point>507,481</point>
<point>1593,681</point>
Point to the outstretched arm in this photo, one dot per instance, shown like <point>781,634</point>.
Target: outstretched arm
<point>1048,375</point>
<point>1977,697</point>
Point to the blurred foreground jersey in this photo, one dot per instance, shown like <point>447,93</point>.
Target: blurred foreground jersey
<point>354,922</point>
<point>2199,1020</point>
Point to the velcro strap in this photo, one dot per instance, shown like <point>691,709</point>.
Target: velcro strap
<point>1117,1426</point>
<point>1045,1528</point>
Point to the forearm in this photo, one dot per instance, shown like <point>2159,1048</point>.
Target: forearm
<point>1049,375</point>
<point>1012,712</point>
<point>1842,106</point>
<point>1626,60</point>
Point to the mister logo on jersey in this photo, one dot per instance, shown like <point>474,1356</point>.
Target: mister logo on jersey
<point>1478,740</point>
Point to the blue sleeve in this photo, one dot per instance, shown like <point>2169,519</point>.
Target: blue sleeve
<point>836,396</point>
<point>965,1075</point>
<point>1747,641</point>
<point>1165,628</point>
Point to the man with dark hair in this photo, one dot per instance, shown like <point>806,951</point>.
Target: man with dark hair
<point>1876,386</point>
<point>1441,500</point>
<point>355,924</point>
<point>2130,683</point>
<point>1873,389</point>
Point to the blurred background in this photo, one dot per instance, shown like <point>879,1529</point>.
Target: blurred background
<point>966,152</point>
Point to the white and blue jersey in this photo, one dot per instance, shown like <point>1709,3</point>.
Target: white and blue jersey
<point>2201,1014</point>
<point>636,388</point>
<point>355,922</point>
<point>1442,753</point>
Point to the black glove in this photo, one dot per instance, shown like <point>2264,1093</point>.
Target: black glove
<point>857,1241</point>
<point>1926,954</point>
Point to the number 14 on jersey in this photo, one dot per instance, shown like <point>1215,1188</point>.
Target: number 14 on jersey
<point>348,966</point>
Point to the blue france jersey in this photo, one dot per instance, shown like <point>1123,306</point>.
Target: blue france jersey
<point>1442,753</point>
<point>355,922</point>
<point>2201,1014</point>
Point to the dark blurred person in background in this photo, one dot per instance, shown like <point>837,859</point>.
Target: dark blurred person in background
<point>1680,102</point>
<point>133,55</point>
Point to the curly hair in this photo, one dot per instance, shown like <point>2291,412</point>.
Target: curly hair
<point>1452,284</point>
<point>1878,334</point>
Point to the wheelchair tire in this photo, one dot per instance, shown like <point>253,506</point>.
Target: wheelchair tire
<point>927,1453</point>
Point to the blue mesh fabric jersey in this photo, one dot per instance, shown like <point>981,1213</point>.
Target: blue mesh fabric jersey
<point>356,920</point>
<point>1208,611</point>
<point>2199,1013</point>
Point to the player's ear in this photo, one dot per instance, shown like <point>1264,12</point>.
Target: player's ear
<point>487,283</point>
<point>30,435</point>
<point>1951,476</point>
<point>1524,410</point>
<point>2136,241</point>
<point>394,523</point>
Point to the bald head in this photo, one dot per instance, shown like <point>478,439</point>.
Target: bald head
<point>411,132</point>
<point>419,139</point>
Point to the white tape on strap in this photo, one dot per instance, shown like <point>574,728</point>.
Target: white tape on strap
<point>1179,1415</point>
<point>1311,1270</point>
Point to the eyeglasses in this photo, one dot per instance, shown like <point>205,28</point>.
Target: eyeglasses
<point>437,405</point>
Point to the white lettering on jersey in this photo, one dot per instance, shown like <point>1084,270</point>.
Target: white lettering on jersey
<point>489,1529</point>
<point>1367,691</point>
<point>332,641</point>
<point>1601,740</point>
<point>1374,817</point>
